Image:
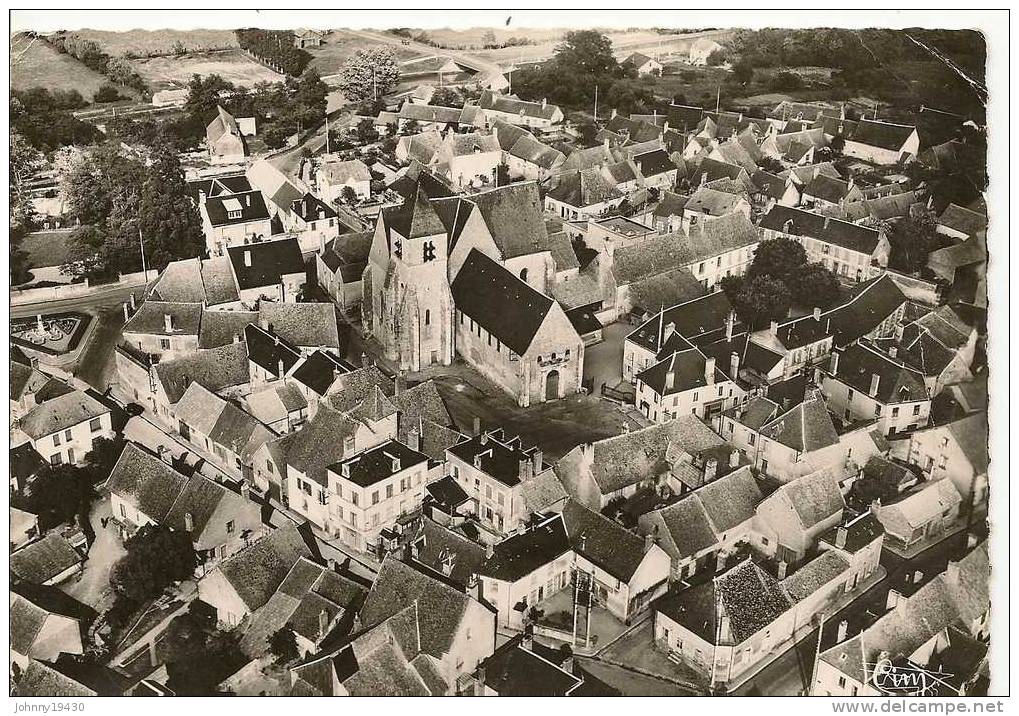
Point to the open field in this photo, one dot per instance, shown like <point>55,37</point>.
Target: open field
<point>232,65</point>
<point>144,43</point>
<point>34,63</point>
<point>339,45</point>
<point>623,43</point>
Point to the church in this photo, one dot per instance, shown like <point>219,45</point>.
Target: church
<point>470,275</point>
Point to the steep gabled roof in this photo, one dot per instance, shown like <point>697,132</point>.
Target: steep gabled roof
<point>805,428</point>
<point>504,305</point>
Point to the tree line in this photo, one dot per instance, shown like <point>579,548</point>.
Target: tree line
<point>91,54</point>
<point>275,48</point>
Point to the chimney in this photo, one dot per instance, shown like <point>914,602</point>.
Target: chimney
<point>168,322</point>
<point>773,329</point>
<point>237,337</point>
<point>397,380</point>
<point>670,380</point>
<point>734,365</point>
<point>247,199</point>
<point>614,113</point>
<point>670,328</point>
<point>489,551</point>
<point>649,542</point>
<point>827,220</point>
<point>893,351</point>
<point>322,243</point>
<point>817,313</point>
<point>279,367</point>
<point>484,439</point>
<point>127,314</point>
<point>414,440</point>
<point>245,490</point>
<point>477,425</point>
<point>875,382</point>
<point>709,370</point>
<point>840,537</point>
<point>849,185</point>
<point>783,568</point>
<point>537,458</point>
<point>917,577</point>
<point>704,178</point>
<point>524,469</point>
<point>893,599</point>
<point>833,366</point>
<point>952,572</point>
<point>331,562</point>
<point>843,631</point>
<point>710,469</point>
<point>787,227</point>
<point>189,522</point>
<point>730,323</point>
<point>323,623</point>
<point>734,459</point>
<point>247,258</point>
<point>131,299</point>
<point>527,640</point>
<point>544,102</point>
<point>898,332</point>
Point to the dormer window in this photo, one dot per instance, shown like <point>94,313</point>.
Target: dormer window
<point>233,207</point>
<point>428,251</point>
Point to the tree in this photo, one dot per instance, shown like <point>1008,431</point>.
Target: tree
<point>743,71</point>
<point>103,456</point>
<point>588,130</point>
<point>814,286</point>
<point>770,164</point>
<point>59,494</point>
<point>369,74</point>
<point>447,97</point>
<point>488,40</point>
<point>777,258</point>
<point>757,300</point>
<point>587,52</point>
<point>366,132</point>
<point>348,195</point>
<point>912,239</point>
<point>837,145</point>
<point>718,57</point>
<point>24,160</point>
<point>283,645</point>
<point>156,558</point>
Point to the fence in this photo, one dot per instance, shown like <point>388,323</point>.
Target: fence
<point>20,297</point>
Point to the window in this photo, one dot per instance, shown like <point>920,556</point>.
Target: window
<point>164,343</point>
<point>700,267</point>
<point>916,409</point>
<point>428,317</point>
<point>943,461</point>
<point>268,466</point>
<point>895,412</point>
<point>56,459</point>
<point>695,397</point>
<point>753,439</point>
<point>230,527</point>
<point>353,498</point>
<point>501,499</point>
<point>877,408</point>
<point>375,497</point>
<point>428,251</point>
<point>389,491</point>
<point>849,394</point>
<point>523,274</point>
<point>488,492</point>
<point>123,511</point>
<point>842,682</point>
<point>96,425</point>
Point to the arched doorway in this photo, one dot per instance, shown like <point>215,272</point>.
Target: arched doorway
<point>552,386</point>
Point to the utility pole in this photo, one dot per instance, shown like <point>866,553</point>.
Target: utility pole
<point>141,243</point>
<point>718,99</point>
<point>596,103</point>
<point>328,150</point>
